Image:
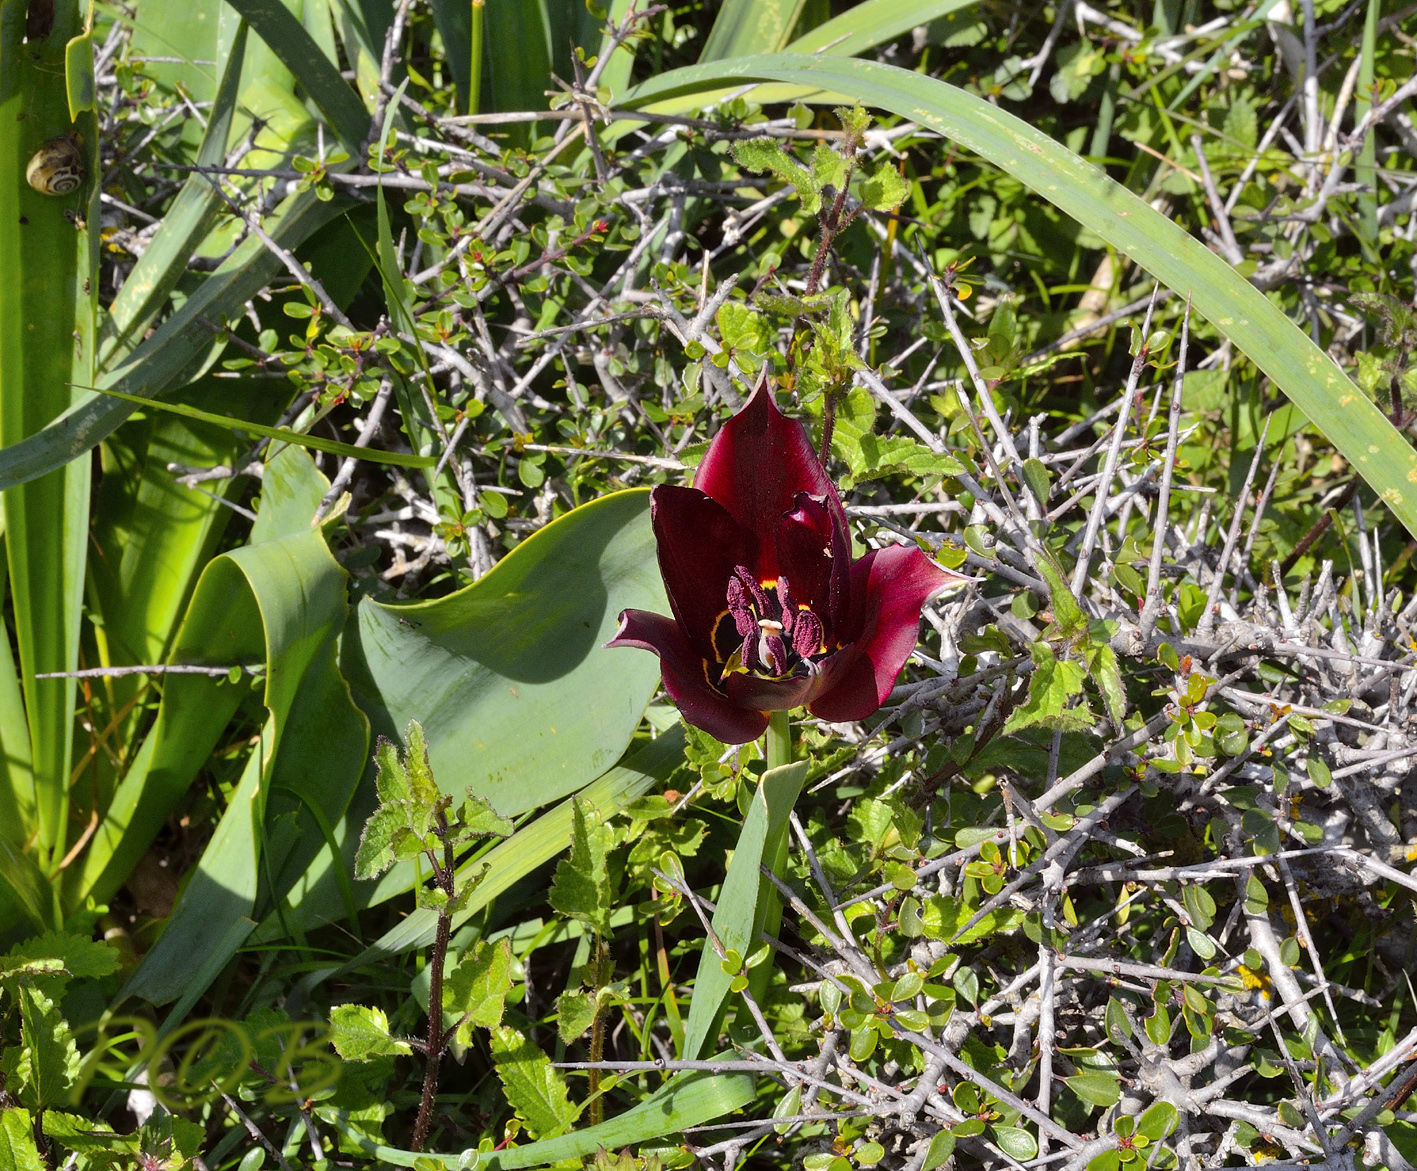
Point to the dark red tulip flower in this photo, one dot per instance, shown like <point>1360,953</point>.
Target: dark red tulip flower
<point>770,612</point>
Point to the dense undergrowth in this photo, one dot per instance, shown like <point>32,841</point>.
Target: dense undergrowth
<point>1120,872</point>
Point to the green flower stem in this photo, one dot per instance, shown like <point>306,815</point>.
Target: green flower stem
<point>779,745</point>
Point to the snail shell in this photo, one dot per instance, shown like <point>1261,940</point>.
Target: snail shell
<point>57,167</point>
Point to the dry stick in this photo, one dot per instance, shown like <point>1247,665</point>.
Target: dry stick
<point>1151,608</point>
<point>1217,583</point>
<point>287,258</point>
<point>1109,469</point>
<point>1301,923</point>
<point>367,430</point>
<point>943,293</point>
<point>1260,508</point>
<point>150,669</point>
<point>1233,253</point>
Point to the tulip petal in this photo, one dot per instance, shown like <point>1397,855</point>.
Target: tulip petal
<point>684,676</point>
<point>814,553</point>
<point>755,467</point>
<point>888,589</point>
<point>699,544</point>
<point>773,695</point>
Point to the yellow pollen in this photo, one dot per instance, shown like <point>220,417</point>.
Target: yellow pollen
<point>769,584</point>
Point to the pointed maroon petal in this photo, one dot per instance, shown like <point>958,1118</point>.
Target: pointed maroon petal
<point>814,553</point>
<point>889,587</point>
<point>773,695</point>
<point>702,704</point>
<point>755,467</point>
<point>699,544</point>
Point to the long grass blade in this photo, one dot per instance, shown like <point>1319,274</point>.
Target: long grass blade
<point>1311,379</point>
<point>284,434</point>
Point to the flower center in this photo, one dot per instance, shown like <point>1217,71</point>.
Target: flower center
<point>763,630</point>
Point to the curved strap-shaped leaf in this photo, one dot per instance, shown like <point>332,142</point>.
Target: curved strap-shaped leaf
<point>1229,302</point>
<point>282,601</point>
<point>685,1100</point>
<point>176,353</point>
<point>517,695</point>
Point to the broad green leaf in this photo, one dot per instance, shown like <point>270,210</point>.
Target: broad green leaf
<point>534,1088</point>
<point>474,992</point>
<point>361,1033</point>
<point>747,904</point>
<point>582,889</point>
<point>1257,326</point>
<point>17,1149</point>
<point>517,695</point>
<point>1096,1089</point>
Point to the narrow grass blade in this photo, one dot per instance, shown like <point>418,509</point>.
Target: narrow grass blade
<point>1258,327</point>
<point>873,23</point>
<point>187,221</point>
<point>284,434</point>
<point>744,904</point>
<point>172,356</point>
<point>747,26</point>
<point>287,38</point>
<point>686,1100</point>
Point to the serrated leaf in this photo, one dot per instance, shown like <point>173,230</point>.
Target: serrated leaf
<point>51,959</point>
<point>534,1089</point>
<point>376,843</point>
<point>361,1033</point>
<point>48,1059</point>
<point>1053,683</point>
<point>575,1013</point>
<point>1068,617</point>
<point>828,167</point>
<point>1102,665</point>
<point>885,190</point>
<point>477,819</point>
<point>582,888</point>
<point>477,988</point>
<point>17,1149</point>
<point>422,788</point>
<point>762,154</point>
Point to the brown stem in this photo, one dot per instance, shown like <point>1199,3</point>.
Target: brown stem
<point>1320,526</point>
<point>828,423</point>
<point>831,228</point>
<point>436,1043</point>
